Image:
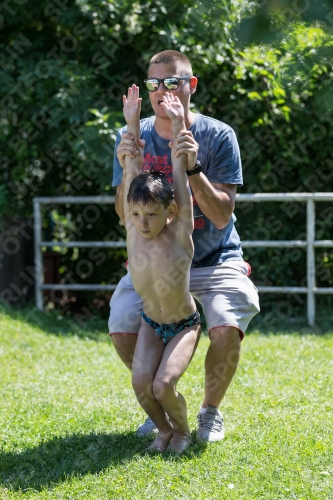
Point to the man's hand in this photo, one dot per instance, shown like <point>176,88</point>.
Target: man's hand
<point>185,143</point>
<point>127,147</point>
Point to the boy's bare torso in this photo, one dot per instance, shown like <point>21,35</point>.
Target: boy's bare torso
<point>159,237</point>
<point>160,268</point>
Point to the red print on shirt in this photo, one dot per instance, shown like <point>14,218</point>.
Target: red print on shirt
<point>199,223</point>
<point>157,162</point>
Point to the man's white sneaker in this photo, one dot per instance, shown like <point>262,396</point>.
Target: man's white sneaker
<point>146,428</point>
<point>211,426</point>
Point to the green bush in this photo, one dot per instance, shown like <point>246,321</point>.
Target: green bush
<point>65,67</point>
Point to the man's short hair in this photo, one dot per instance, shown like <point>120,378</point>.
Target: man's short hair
<point>150,187</point>
<point>173,57</point>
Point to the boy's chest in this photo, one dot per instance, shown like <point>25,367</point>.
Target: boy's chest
<point>152,261</point>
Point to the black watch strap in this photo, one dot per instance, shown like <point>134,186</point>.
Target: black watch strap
<point>197,168</point>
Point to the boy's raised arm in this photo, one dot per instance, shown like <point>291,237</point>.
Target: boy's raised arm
<point>133,166</point>
<point>175,111</point>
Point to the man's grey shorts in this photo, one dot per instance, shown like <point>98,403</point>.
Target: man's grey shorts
<point>226,294</point>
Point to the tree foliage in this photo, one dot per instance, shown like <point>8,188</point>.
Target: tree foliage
<point>65,66</point>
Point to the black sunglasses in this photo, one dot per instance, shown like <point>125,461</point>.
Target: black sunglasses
<point>170,83</point>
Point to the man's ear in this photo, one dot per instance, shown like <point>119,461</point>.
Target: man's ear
<point>193,84</point>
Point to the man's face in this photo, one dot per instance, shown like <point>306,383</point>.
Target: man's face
<point>184,91</point>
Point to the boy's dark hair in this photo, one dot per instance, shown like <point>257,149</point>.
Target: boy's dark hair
<point>151,187</point>
<point>173,57</point>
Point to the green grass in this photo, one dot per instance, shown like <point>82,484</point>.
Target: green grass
<point>68,419</point>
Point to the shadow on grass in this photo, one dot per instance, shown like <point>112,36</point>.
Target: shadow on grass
<point>55,461</point>
<point>270,323</point>
<point>84,325</point>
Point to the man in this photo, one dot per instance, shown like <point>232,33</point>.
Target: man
<point>219,276</point>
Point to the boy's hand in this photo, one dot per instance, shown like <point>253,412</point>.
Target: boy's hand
<point>173,107</point>
<point>132,105</point>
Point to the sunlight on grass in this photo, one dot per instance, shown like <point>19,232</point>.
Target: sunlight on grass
<point>69,415</point>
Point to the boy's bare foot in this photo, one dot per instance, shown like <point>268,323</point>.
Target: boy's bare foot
<point>180,442</point>
<point>161,442</point>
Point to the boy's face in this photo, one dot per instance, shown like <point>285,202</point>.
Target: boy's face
<point>150,220</point>
<point>184,91</point>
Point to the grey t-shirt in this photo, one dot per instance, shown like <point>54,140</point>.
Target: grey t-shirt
<point>220,160</point>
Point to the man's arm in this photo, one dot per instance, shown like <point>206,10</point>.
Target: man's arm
<point>216,200</point>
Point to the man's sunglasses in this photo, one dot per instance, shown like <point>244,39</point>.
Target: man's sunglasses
<point>171,83</point>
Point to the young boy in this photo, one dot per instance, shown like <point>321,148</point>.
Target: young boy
<point>160,250</point>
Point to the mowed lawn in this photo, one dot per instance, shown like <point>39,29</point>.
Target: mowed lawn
<point>68,419</point>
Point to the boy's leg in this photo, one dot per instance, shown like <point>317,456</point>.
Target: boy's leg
<point>176,358</point>
<point>147,356</point>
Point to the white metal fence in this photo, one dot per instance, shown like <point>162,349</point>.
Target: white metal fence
<point>310,244</point>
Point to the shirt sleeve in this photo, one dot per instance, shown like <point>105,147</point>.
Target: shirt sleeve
<point>225,165</point>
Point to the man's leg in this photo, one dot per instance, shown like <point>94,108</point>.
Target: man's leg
<point>220,366</point>
<point>228,305</point>
<point>125,320</point>
<point>221,363</point>
<point>124,344</point>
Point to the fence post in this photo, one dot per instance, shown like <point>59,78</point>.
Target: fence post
<point>39,278</point>
<point>311,280</point>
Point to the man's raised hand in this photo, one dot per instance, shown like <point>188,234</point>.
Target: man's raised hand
<point>132,105</point>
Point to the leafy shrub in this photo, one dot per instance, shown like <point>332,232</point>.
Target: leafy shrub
<point>65,67</point>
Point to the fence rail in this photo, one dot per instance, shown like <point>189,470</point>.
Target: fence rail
<point>310,244</point>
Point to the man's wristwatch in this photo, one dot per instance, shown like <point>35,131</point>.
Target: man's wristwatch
<point>195,170</point>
